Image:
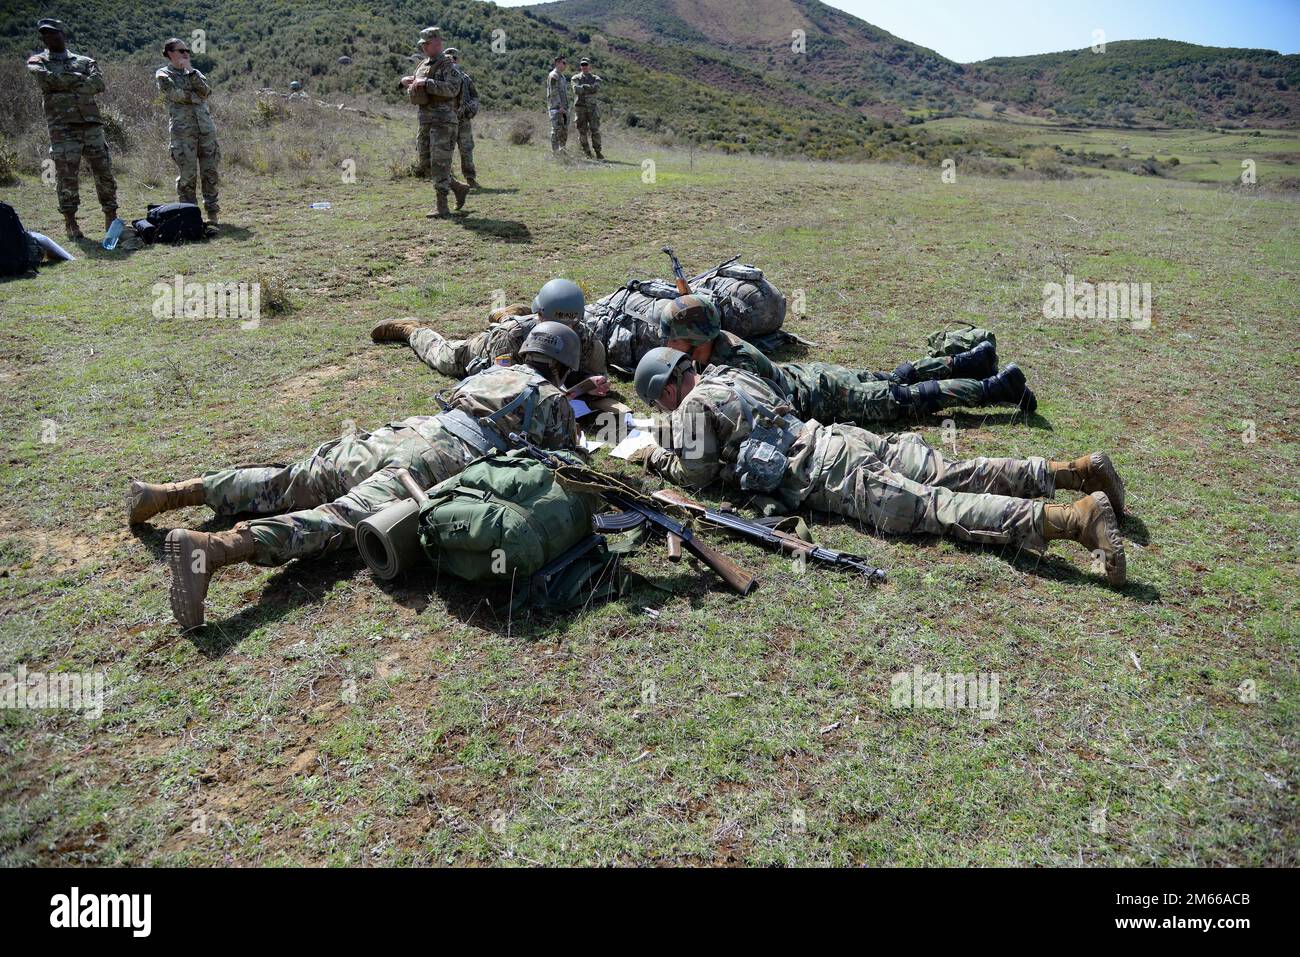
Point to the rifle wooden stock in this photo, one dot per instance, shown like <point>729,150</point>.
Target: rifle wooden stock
<point>735,576</point>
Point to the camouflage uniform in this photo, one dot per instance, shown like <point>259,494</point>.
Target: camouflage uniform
<point>557,106</point>
<point>436,91</point>
<point>194,146</point>
<point>461,357</point>
<point>69,84</point>
<point>586,110</point>
<point>465,125</point>
<point>315,504</point>
<point>895,484</point>
<point>833,393</point>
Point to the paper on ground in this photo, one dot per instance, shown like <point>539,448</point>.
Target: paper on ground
<point>635,440</point>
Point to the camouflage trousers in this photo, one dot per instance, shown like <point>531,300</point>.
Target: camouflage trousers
<point>559,130</point>
<point>196,156</point>
<point>458,357</point>
<point>435,146</point>
<point>465,144</point>
<point>313,506</point>
<point>588,118</point>
<point>68,144</point>
<point>831,393</point>
<point>899,485</point>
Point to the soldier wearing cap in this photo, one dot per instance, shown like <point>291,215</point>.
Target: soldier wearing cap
<point>557,105</point>
<point>436,90</point>
<point>465,120</point>
<point>194,146</point>
<point>69,84</point>
<point>586,85</point>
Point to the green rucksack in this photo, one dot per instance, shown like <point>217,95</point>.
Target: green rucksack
<point>950,342</point>
<point>505,519</point>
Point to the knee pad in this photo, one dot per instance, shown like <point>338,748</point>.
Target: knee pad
<point>905,373</point>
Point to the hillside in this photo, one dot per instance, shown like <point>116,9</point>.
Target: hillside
<point>686,94</point>
<point>1147,82</point>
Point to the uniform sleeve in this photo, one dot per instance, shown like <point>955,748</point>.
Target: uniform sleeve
<point>93,81</point>
<point>593,358</point>
<point>443,89</point>
<point>171,93</point>
<point>559,429</point>
<point>199,85</point>
<point>51,82</point>
<point>693,461</point>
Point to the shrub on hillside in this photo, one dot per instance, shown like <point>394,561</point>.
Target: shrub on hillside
<point>521,131</point>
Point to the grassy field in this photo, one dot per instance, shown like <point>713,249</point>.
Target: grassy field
<point>324,719</point>
<point>1204,156</point>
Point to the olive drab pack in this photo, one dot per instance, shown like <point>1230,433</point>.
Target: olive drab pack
<point>502,520</point>
<point>951,342</point>
<point>627,322</point>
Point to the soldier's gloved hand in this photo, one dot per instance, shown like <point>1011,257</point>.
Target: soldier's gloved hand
<point>641,456</point>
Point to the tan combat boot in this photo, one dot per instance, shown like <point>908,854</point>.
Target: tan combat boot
<point>442,211</point>
<point>505,312</point>
<point>193,557</point>
<point>70,225</point>
<point>1091,473</point>
<point>461,191</point>
<point>472,183</point>
<point>395,330</point>
<point>1092,523</point>
<point>145,500</point>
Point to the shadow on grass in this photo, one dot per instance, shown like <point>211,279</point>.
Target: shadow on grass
<point>505,230</point>
<point>493,190</point>
<point>1056,565</point>
<point>301,583</point>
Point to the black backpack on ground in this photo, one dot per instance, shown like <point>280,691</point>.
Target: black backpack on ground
<point>16,252</point>
<point>171,223</point>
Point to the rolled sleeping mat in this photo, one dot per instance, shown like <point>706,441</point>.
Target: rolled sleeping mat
<point>389,540</point>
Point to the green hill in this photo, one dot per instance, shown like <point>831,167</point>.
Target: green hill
<point>852,63</point>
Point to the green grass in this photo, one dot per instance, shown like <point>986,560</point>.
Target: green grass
<point>324,719</point>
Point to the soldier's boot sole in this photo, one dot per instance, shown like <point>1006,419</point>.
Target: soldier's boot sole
<point>193,557</point>
<point>144,500</point>
<point>395,330</point>
<point>1092,523</point>
<point>460,190</point>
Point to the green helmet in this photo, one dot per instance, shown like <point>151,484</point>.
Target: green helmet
<point>694,318</point>
<point>295,86</point>
<point>556,341</point>
<point>560,301</point>
<point>655,370</point>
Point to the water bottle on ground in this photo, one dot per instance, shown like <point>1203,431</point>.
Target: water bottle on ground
<point>114,234</point>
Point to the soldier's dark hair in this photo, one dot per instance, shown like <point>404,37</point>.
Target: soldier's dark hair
<point>172,44</point>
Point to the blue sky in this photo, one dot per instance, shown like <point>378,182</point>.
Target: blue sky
<point>969,30</point>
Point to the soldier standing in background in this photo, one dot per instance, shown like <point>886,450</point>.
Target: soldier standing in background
<point>435,89</point>
<point>557,105</point>
<point>69,84</point>
<point>465,120</point>
<point>586,85</point>
<point>194,146</point>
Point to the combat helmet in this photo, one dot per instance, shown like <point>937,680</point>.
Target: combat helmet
<point>655,370</point>
<point>694,318</point>
<point>554,340</point>
<point>560,301</point>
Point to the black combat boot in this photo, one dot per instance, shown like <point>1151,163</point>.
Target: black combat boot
<point>1008,386</point>
<point>979,363</point>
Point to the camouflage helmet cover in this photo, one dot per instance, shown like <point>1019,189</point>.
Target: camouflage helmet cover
<point>694,318</point>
